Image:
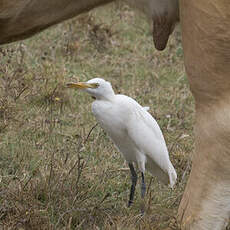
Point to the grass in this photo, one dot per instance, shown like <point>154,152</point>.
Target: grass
<point>57,169</point>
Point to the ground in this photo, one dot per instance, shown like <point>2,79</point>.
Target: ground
<point>57,169</point>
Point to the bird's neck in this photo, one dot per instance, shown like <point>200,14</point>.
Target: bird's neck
<point>107,97</point>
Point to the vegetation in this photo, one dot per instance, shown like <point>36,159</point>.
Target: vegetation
<point>58,169</point>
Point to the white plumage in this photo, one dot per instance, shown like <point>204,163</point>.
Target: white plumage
<point>132,129</point>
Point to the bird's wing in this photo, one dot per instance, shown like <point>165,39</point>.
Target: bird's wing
<point>145,131</point>
<point>146,134</point>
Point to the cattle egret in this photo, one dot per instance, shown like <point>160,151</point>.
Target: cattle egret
<point>133,130</point>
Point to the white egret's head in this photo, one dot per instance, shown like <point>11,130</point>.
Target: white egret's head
<point>96,87</point>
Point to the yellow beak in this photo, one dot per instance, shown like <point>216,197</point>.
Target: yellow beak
<point>82,85</point>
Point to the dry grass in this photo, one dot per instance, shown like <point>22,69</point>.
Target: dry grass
<point>56,172</point>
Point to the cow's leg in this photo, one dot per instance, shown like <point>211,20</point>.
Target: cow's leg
<point>206,41</point>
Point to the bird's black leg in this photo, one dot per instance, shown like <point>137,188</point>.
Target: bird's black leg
<point>134,182</point>
<point>143,186</point>
<point>143,190</point>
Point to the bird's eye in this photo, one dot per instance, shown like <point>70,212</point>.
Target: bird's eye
<point>96,85</point>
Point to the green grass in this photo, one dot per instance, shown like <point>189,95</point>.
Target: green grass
<point>56,172</point>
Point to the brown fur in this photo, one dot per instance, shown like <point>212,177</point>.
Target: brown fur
<point>206,42</point>
<point>20,19</point>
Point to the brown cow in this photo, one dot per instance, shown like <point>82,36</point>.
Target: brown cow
<point>20,19</point>
<point>206,43</point>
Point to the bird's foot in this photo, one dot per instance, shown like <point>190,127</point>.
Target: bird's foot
<point>130,203</point>
<point>142,208</point>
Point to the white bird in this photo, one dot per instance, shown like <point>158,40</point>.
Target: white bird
<point>133,130</point>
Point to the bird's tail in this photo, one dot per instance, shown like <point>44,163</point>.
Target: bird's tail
<point>167,176</point>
